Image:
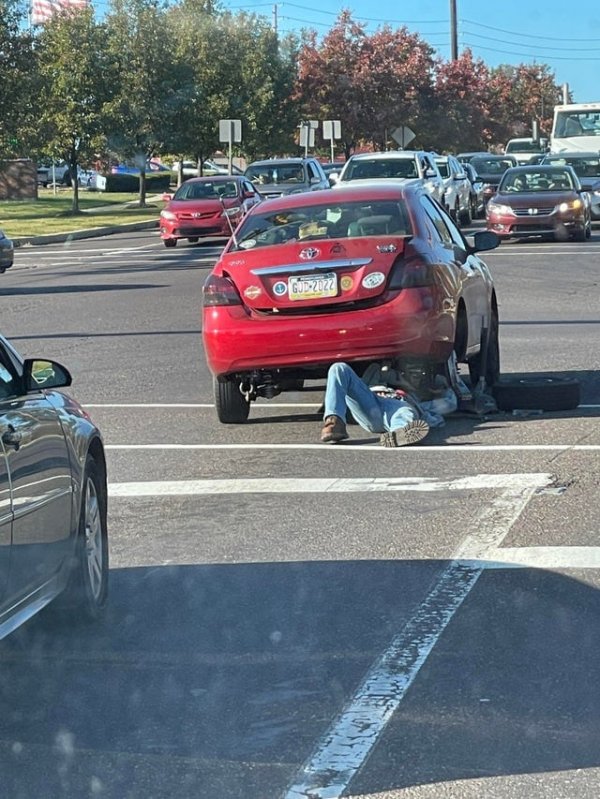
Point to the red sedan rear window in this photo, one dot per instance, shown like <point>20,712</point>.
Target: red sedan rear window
<point>334,221</point>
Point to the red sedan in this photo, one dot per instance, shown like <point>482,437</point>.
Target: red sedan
<point>211,206</point>
<point>358,274</point>
<point>540,200</point>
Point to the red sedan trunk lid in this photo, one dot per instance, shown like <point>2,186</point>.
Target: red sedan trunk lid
<point>315,273</point>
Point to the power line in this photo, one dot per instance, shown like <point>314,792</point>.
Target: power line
<point>524,44</point>
<point>370,19</point>
<point>528,35</point>
<point>478,46</point>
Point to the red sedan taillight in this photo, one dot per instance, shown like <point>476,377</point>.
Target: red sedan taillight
<point>410,273</point>
<point>220,291</point>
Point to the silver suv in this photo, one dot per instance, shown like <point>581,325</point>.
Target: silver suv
<point>457,189</point>
<point>416,166</point>
<point>278,176</point>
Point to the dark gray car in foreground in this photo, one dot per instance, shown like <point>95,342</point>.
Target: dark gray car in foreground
<point>53,534</point>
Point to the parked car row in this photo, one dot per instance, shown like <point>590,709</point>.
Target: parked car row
<point>556,198</point>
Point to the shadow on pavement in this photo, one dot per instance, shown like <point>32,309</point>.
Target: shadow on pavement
<point>218,680</point>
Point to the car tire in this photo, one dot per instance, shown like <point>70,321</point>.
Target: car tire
<point>170,242</point>
<point>87,589</point>
<point>465,217</point>
<point>580,234</point>
<point>492,366</point>
<point>473,207</point>
<point>232,406</point>
<point>542,392</point>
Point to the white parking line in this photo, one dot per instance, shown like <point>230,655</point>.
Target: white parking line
<point>270,485</point>
<point>558,558</point>
<point>306,405</point>
<point>259,406</point>
<point>346,745</point>
<point>337,448</point>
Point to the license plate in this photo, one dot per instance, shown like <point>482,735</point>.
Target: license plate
<point>312,287</point>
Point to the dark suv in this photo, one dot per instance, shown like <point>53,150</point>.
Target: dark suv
<point>277,176</point>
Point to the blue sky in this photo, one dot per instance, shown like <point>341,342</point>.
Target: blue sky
<point>563,35</point>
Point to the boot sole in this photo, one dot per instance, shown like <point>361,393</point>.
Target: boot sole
<point>411,434</point>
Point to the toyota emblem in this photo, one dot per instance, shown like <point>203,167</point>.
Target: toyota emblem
<point>309,253</point>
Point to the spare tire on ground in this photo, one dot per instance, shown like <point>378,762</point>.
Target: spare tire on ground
<point>544,392</point>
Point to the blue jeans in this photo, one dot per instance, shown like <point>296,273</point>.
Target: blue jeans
<point>375,414</point>
<point>345,389</point>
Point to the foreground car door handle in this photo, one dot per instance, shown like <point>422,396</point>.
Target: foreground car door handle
<point>12,437</point>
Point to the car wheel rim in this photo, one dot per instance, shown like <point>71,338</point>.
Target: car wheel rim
<point>93,539</point>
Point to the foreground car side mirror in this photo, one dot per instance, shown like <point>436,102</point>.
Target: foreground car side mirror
<point>333,178</point>
<point>485,240</point>
<point>167,196</point>
<point>40,374</point>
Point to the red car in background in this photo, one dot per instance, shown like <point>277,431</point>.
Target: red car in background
<point>542,200</point>
<point>359,274</point>
<point>211,206</point>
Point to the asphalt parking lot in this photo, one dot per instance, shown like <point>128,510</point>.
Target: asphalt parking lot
<point>290,619</point>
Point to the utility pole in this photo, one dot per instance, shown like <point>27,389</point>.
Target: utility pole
<point>453,32</point>
<point>275,18</point>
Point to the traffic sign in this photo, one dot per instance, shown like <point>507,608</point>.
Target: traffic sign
<point>403,136</point>
<point>332,129</point>
<point>230,130</point>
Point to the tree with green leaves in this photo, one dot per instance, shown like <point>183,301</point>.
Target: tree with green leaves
<point>75,85</point>
<point>147,93</point>
<point>236,69</point>
<point>18,77</point>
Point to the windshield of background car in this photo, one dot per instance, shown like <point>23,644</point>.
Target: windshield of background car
<point>584,167</point>
<point>367,168</point>
<point>522,147</point>
<point>576,123</point>
<point>276,175</point>
<point>491,166</point>
<point>207,190</point>
<point>332,221</point>
<point>559,180</point>
<point>443,168</point>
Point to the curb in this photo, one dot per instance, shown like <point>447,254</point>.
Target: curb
<point>89,233</point>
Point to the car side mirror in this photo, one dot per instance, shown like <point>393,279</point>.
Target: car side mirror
<point>41,374</point>
<point>167,196</point>
<point>461,176</point>
<point>430,173</point>
<point>313,181</point>
<point>249,195</point>
<point>485,240</point>
<point>333,178</point>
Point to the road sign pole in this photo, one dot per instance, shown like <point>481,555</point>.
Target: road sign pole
<point>230,160</point>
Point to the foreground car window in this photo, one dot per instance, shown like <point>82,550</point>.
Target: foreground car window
<point>342,220</point>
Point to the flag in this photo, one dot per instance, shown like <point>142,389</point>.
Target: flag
<point>42,10</point>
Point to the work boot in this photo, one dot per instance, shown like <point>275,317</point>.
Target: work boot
<point>333,430</point>
<point>414,432</point>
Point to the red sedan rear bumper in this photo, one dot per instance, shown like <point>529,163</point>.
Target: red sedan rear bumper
<point>236,340</point>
